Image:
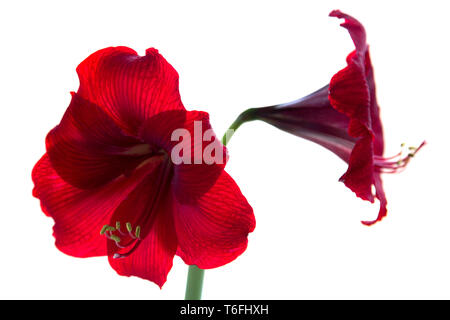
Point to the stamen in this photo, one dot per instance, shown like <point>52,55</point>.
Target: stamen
<point>396,163</point>
<point>106,228</point>
<point>126,254</point>
<point>129,228</point>
<point>115,238</point>
<point>102,232</point>
<point>128,240</point>
<point>118,228</point>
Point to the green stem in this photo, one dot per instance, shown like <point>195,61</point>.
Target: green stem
<point>194,284</point>
<point>247,115</point>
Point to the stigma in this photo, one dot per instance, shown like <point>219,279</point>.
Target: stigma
<point>126,241</point>
<point>398,162</point>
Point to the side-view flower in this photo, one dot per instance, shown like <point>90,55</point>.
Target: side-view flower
<point>343,117</point>
<point>109,182</point>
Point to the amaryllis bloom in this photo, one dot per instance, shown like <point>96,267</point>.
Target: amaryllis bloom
<point>344,117</point>
<point>109,182</point>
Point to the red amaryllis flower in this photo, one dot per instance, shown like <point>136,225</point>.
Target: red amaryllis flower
<point>344,117</point>
<point>109,182</point>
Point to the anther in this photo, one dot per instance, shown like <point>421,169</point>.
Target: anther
<point>114,237</point>
<point>397,162</point>
<point>106,228</point>
<point>124,241</point>
<point>138,231</point>
<point>103,229</point>
<point>129,227</point>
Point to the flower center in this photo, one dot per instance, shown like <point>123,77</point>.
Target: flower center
<point>398,162</point>
<point>139,150</point>
<point>124,240</point>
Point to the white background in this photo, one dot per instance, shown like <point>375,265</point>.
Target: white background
<point>309,242</point>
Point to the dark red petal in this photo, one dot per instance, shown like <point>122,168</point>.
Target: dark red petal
<point>349,94</point>
<point>142,205</point>
<point>359,175</point>
<point>312,118</point>
<point>88,149</point>
<point>158,129</point>
<point>153,258</point>
<point>377,127</point>
<point>349,91</point>
<point>214,232</point>
<point>195,171</point>
<point>193,180</point>
<point>80,214</point>
<point>381,197</point>
<point>361,59</point>
<point>129,87</point>
<point>355,28</point>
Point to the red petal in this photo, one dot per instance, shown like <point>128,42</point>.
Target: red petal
<point>142,205</point>
<point>359,175</point>
<point>361,60</point>
<point>312,118</point>
<point>80,214</point>
<point>353,95</point>
<point>214,232</point>
<point>349,94</point>
<point>193,180</point>
<point>377,127</point>
<point>355,28</point>
<point>158,129</point>
<point>130,88</point>
<point>193,176</point>
<point>153,258</point>
<point>88,149</point>
<point>349,91</point>
<point>382,198</point>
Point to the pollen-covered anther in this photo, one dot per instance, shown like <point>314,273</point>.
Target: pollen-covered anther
<point>108,231</point>
<point>398,162</point>
<point>122,239</point>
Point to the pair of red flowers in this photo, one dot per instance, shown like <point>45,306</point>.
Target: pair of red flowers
<point>109,183</point>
